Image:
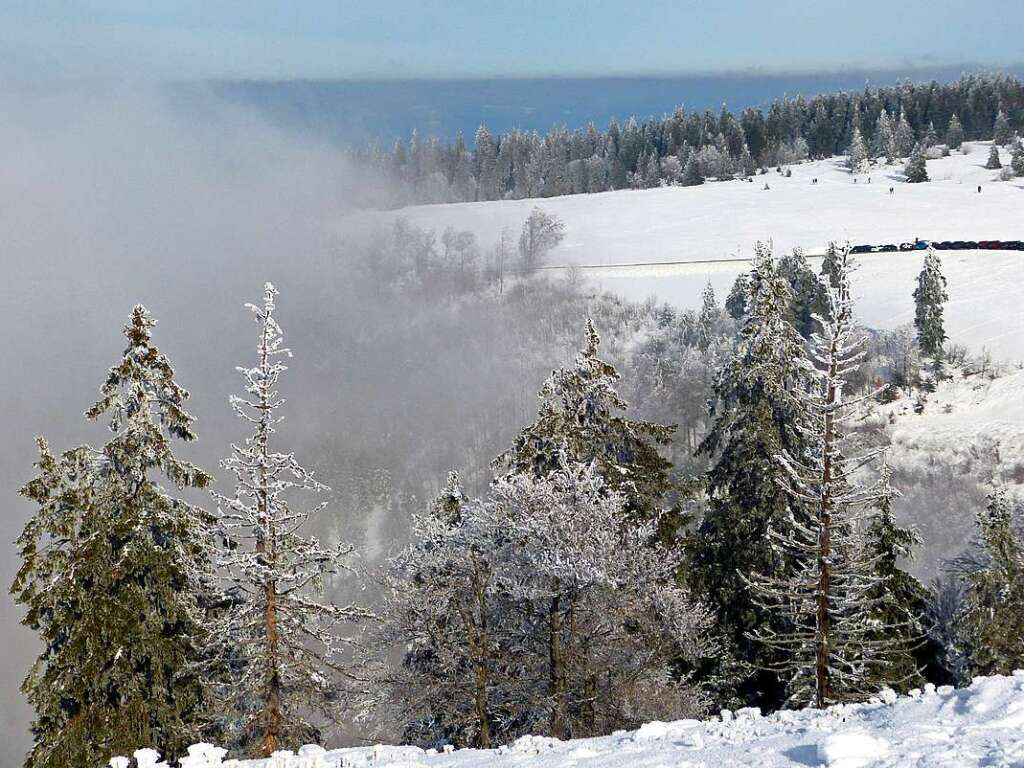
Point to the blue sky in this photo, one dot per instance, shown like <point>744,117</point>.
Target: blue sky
<point>479,38</point>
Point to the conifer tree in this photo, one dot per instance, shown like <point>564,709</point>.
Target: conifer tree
<point>115,576</point>
<point>903,136</point>
<point>931,138</point>
<point>883,143</point>
<point>994,606</point>
<point>486,166</point>
<point>897,599</point>
<point>993,163</point>
<point>736,301</point>
<point>1017,159</point>
<point>829,273</point>
<point>829,642</point>
<point>805,289</point>
<point>916,169</point>
<point>929,298</point>
<point>954,133</point>
<point>1002,134</point>
<point>284,633</point>
<point>692,175</point>
<point>747,166</point>
<point>857,155</point>
<point>756,417</point>
<point>710,314</point>
<point>582,419</point>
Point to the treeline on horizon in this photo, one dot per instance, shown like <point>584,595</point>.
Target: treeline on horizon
<point>685,147</point>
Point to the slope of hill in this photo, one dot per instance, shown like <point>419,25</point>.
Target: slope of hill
<point>948,450</point>
<point>982,725</point>
<point>721,221</point>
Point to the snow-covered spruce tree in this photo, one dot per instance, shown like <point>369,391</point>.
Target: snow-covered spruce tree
<point>829,272</point>
<point>830,639</point>
<point>599,603</point>
<point>805,289</point>
<point>284,634</point>
<point>898,600</point>
<point>582,419</point>
<point>929,298</point>
<point>114,575</point>
<point>756,417</point>
<point>746,162</point>
<point>916,169</point>
<point>993,163</point>
<point>903,136</point>
<point>1017,159</point>
<point>455,680</point>
<point>883,142</point>
<point>692,175</point>
<point>708,321</point>
<point>993,616</point>
<point>736,301</point>
<point>954,133</point>
<point>1002,133</point>
<point>857,155</point>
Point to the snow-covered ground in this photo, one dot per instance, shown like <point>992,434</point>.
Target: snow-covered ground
<point>722,221</point>
<point>982,725</point>
<point>964,419</point>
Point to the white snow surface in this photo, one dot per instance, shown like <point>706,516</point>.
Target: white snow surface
<point>965,417</point>
<point>982,725</point>
<point>719,221</point>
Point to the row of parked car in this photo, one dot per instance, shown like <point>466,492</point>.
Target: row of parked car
<point>944,245</point>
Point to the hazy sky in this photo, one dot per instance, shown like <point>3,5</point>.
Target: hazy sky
<point>431,38</point>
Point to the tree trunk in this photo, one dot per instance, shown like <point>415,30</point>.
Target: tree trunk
<point>272,716</point>
<point>556,661</point>
<point>266,549</point>
<point>823,633</point>
<point>475,621</point>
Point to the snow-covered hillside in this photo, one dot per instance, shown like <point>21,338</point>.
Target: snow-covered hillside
<point>722,221</point>
<point>948,450</point>
<point>982,725</point>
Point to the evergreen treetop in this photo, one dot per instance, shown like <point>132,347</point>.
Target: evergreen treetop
<point>582,419</point>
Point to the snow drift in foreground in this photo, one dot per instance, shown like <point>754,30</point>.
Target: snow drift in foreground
<point>982,725</point>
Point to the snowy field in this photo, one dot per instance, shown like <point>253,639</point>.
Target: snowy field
<point>982,725</point>
<point>722,221</point>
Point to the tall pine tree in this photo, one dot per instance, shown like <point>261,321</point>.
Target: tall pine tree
<point>831,638</point>
<point>756,417</point>
<point>278,624</point>
<point>115,572</point>
<point>929,299</point>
